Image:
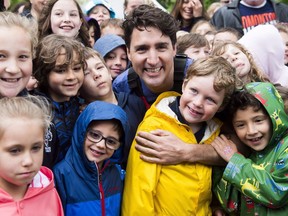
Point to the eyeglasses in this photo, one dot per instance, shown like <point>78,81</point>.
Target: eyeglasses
<point>96,137</point>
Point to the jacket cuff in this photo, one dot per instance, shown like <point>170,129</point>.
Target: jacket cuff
<point>233,167</point>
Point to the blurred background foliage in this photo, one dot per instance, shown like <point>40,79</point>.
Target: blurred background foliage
<point>168,4</point>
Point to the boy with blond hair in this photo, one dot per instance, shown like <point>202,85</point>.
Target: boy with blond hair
<point>183,189</point>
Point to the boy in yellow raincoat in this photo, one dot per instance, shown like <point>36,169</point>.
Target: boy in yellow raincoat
<point>184,189</point>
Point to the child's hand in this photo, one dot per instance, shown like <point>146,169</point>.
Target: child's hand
<point>224,147</point>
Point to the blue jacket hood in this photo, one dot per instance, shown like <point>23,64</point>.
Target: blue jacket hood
<point>108,43</point>
<point>97,110</point>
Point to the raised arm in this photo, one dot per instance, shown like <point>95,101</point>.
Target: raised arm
<point>163,147</point>
<point>264,183</point>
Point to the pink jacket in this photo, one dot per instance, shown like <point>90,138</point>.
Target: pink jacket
<point>41,198</point>
<point>265,44</point>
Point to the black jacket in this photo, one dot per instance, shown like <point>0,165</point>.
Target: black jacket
<point>135,110</point>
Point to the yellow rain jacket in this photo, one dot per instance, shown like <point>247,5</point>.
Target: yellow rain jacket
<point>154,189</point>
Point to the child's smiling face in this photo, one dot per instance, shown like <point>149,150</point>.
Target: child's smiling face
<point>65,18</point>
<point>65,79</point>
<point>253,127</point>
<point>15,60</point>
<point>98,152</point>
<point>200,101</point>
<point>116,61</point>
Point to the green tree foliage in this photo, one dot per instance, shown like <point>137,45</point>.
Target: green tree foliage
<point>167,4</point>
<point>14,2</point>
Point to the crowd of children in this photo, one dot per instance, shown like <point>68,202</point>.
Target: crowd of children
<point>107,119</point>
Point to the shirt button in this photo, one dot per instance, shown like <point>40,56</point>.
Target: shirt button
<point>21,205</point>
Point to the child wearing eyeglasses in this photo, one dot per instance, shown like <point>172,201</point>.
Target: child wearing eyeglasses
<point>87,181</point>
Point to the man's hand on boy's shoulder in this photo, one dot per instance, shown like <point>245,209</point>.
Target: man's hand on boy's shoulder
<point>161,147</point>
